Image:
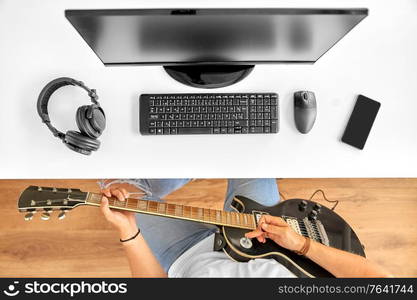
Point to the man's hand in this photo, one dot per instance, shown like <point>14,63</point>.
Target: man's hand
<point>276,229</point>
<point>123,221</point>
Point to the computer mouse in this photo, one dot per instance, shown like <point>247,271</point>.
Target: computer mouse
<point>305,110</point>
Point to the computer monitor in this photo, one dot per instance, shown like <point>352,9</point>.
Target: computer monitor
<point>212,48</point>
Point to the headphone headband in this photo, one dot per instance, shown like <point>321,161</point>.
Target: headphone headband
<point>49,89</point>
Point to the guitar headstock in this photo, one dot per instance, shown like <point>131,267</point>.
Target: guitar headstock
<point>48,199</point>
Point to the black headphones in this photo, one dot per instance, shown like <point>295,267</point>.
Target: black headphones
<point>90,119</point>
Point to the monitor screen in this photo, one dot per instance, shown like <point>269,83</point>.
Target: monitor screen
<point>191,36</point>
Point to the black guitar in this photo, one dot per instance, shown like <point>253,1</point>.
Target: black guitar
<point>305,217</point>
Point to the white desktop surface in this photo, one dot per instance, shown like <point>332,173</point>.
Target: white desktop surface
<point>378,58</point>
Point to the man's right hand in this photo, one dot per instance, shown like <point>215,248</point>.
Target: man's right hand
<point>276,229</point>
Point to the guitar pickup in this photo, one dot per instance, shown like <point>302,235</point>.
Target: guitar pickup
<point>258,215</point>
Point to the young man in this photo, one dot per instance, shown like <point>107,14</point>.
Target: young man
<point>177,248</point>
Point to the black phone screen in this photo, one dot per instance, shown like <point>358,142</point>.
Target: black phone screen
<point>360,122</point>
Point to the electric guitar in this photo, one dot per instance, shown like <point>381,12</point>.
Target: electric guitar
<point>308,218</point>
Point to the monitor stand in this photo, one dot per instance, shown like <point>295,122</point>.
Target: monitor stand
<point>209,76</point>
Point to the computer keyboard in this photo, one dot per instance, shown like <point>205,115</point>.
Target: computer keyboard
<point>173,114</point>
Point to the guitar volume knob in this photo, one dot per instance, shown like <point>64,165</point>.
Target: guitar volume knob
<point>302,205</point>
<point>312,216</point>
<point>317,207</point>
<point>246,243</point>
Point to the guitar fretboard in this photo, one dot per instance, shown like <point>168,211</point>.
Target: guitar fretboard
<point>197,214</point>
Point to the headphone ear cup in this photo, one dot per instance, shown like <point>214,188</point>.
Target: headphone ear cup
<point>78,150</point>
<point>84,124</point>
<point>80,143</point>
<point>98,120</point>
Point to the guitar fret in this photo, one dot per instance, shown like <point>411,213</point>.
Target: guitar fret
<point>178,210</point>
<point>141,205</point>
<point>171,209</point>
<point>187,211</point>
<point>181,211</point>
<point>211,215</point>
<point>161,207</point>
<point>206,214</point>
<point>152,206</point>
<point>218,216</point>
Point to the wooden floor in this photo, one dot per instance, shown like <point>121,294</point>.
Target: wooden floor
<point>383,212</point>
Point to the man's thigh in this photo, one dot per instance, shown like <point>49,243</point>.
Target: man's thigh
<point>261,190</point>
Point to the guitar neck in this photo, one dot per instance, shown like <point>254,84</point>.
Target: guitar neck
<point>184,212</point>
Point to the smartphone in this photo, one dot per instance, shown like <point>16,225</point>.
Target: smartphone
<point>360,122</point>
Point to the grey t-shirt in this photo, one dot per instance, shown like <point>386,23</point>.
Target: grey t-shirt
<point>201,261</point>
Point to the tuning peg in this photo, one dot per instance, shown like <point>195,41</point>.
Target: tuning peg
<point>29,216</point>
<point>61,215</point>
<point>39,189</point>
<point>45,216</point>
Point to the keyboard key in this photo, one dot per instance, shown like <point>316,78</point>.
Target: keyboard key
<point>274,112</point>
<point>241,123</point>
<point>274,126</point>
<point>195,130</point>
<point>257,129</point>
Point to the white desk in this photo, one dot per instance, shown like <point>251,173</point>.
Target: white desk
<point>378,58</point>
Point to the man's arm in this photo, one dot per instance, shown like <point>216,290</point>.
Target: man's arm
<point>339,263</point>
<point>141,259</point>
<point>343,264</point>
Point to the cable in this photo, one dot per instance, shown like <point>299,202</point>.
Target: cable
<point>336,202</point>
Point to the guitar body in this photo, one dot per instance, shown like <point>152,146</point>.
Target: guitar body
<point>339,235</point>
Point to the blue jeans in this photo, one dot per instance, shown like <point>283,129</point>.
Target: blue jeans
<point>169,238</point>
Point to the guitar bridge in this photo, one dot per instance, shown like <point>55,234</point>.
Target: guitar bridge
<point>311,229</point>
